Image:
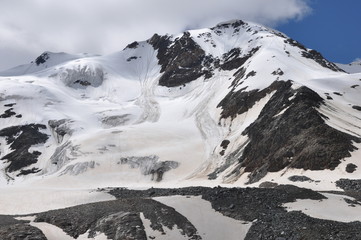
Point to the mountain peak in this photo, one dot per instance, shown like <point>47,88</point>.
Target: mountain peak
<point>232,88</point>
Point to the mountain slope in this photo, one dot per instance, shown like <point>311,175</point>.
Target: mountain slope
<point>354,67</point>
<point>237,103</point>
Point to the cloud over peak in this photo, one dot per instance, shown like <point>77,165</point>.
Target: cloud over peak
<point>95,26</point>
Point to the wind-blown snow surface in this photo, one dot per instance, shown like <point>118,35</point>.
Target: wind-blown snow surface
<point>110,122</point>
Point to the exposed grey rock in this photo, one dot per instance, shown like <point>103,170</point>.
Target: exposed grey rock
<point>352,203</point>
<point>278,72</point>
<point>21,232</point>
<point>12,229</point>
<point>42,58</point>
<point>8,113</point>
<point>9,105</point>
<point>297,138</point>
<point>317,57</point>
<point>28,171</point>
<point>132,58</point>
<point>264,208</point>
<point>350,168</point>
<point>121,225</point>
<point>268,185</point>
<point>224,145</point>
<point>20,139</point>
<point>133,45</point>
<point>349,184</point>
<point>235,58</point>
<point>313,54</point>
<point>296,178</point>
<point>181,61</point>
<point>118,219</point>
<point>356,107</point>
<point>236,103</point>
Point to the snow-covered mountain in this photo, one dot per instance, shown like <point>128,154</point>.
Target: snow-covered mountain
<point>237,103</point>
<point>353,67</point>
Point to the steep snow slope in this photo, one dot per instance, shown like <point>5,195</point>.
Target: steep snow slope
<point>235,103</point>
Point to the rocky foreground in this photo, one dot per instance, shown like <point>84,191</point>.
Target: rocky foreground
<point>263,208</point>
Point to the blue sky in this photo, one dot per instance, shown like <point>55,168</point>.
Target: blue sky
<point>332,28</point>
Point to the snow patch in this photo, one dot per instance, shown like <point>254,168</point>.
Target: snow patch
<point>333,208</point>
<point>211,225</point>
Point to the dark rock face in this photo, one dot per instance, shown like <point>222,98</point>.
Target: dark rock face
<point>180,63</point>
<point>296,178</point>
<point>132,58</point>
<point>82,82</point>
<point>268,184</point>
<point>28,171</point>
<point>236,103</point>
<point>12,229</point>
<point>8,113</point>
<point>234,59</point>
<point>352,203</point>
<point>350,168</point>
<point>313,54</point>
<point>9,105</point>
<point>271,221</point>
<point>278,72</point>
<point>21,231</point>
<point>289,131</point>
<point>118,219</point>
<point>224,145</point>
<point>297,138</point>
<point>235,24</point>
<point>357,107</point>
<point>182,60</point>
<point>120,225</point>
<point>317,57</point>
<point>133,45</point>
<point>349,185</point>
<point>21,139</point>
<point>42,59</point>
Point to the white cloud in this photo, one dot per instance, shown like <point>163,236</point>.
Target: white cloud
<point>27,28</point>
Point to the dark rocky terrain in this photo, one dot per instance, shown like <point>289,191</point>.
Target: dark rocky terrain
<point>120,219</point>
<point>12,229</point>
